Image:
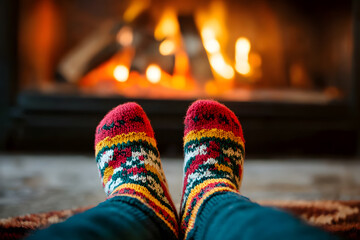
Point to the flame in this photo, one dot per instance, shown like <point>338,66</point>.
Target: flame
<point>216,58</point>
<point>179,82</point>
<point>121,73</point>
<point>218,63</point>
<point>212,46</point>
<point>242,49</point>
<point>167,47</point>
<point>214,36</point>
<point>207,33</point>
<point>211,22</point>
<point>134,9</point>
<point>125,36</point>
<point>153,73</point>
<point>168,26</point>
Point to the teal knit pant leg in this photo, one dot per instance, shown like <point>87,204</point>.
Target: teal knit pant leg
<point>116,218</point>
<point>231,216</point>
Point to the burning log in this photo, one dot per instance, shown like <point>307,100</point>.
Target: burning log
<point>108,40</point>
<point>199,63</point>
<point>147,52</point>
<point>94,50</point>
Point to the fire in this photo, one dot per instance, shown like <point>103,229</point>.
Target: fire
<point>153,73</point>
<point>179,81</point>
<point>216,58</point>
<point>135,8</point>
<point>121,73</point>
<point>212,46</point>
<point>218,63</point>
<point>207,33</point>
<point>213,35</point>
<point>125,36</point>
<point>168,30</point>
<point>168,25</point>
<point>167,47</point>
<point>225,58</point>
<point>242,49</point>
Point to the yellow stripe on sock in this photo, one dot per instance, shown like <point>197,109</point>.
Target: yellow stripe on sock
<point>224,168</point>
<point>198,204</point>
<point>107,173</point>
<point>215,132</point>
<point>124,138</point>
<point>145,192</point>
<point>157,214</point>
<point>196,190</point>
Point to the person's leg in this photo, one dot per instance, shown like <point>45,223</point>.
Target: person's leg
<point>138,204</point>
<point>116,218</point>
<point>212,207</point>
<point>232,216</point>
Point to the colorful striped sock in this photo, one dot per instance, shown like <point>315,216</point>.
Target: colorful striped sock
<point>129,162</point>
<point>214,153</point>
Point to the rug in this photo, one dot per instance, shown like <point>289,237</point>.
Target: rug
<point>341,218</point>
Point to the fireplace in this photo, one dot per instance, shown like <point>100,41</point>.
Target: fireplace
<point>287,69</point>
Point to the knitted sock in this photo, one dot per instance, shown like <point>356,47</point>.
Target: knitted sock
<point>129,162</point>
<point>214,153</point>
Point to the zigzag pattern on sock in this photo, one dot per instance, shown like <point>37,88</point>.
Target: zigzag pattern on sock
<point>214,153</point>
<point>129,162</point>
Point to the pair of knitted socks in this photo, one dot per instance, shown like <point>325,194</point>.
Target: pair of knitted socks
<point>129,162</point>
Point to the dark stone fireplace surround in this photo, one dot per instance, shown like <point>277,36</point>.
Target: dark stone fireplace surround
<point>30,121</point>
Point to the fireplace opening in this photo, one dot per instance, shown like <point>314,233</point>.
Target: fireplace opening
<point>288,69</point>
<point>229,50</point>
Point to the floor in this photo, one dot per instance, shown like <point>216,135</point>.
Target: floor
<point>39,183</point>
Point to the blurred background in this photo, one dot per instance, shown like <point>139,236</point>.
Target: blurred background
<point>288,69</point>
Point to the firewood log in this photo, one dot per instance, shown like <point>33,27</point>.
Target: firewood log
<point>199,63</point>
<point>92,51</point>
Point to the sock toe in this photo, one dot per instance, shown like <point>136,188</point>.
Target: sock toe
<point>124,119</point>
<point>209,114</point>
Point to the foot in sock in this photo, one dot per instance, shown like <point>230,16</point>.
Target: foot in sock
<point>129,162</point>
<point>214,154</point>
